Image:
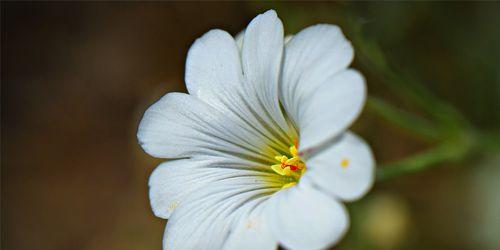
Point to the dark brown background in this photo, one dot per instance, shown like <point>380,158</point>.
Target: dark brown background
<point>76,78</point>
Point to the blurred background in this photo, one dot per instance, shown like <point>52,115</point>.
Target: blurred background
<point>77,77</point>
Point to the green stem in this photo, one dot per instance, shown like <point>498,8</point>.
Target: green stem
<point>416,163</point>
<point>489,141</point>
<point>402,118</point>
<point>453,149</point>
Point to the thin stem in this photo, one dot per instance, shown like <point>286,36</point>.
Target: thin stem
<point>489,141</point>
<point>453,149</point>
<point>416,163</point>
<point>402,118</point>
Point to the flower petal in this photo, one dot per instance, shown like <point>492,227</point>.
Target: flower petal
<point>172,181</point>
<point>213,66</point>
<point>205,218</point>
<point>214,74</point>
<point>180,125</point>
<point>261,60</point>
<point>251,231</point>
<point>304,218</point>
<point>239,39</point>
<point>312,58</point>
<point>346,169</point>
<point>331,108</point>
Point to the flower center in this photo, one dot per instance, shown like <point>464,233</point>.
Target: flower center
<point>290,166</point>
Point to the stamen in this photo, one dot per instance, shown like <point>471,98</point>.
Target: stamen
<point>290,166</point>
<point>291,184</point>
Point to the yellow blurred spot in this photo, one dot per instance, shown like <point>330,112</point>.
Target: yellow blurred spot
<point>344,163</point>
<point>387,221</point>
<point>172,206</point>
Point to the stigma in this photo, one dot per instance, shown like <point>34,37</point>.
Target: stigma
<point>290,165</point>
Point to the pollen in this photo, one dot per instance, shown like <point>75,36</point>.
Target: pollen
<point>289,165</point>
<point>172,206</point>
<point>344,163</point>
<point>249,224</point>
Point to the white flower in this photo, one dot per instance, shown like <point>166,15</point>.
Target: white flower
<point>261,152</point>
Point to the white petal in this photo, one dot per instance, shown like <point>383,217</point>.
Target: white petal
<point>251,231</point>
<point>346,169</point>
<point>304,218</point>
<point>331,108</point>
<point>172,181</point>
<point>261,58</point>
<point>213,65</point>
<point>179,125</point>
<point>312,58</point>
<point>214,74</point>
<point>205,218</point>
<point>239,39</point>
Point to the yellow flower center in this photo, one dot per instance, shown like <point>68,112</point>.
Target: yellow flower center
<point>290,166</point>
